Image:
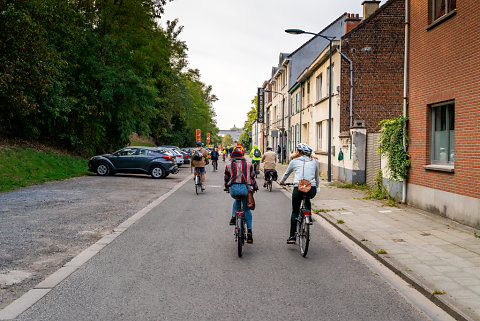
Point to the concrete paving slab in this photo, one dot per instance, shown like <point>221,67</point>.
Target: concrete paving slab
<point>57,277</point>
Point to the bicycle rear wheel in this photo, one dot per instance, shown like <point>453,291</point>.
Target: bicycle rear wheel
<point>303,236</point>
<point>240,235</point>
<point>197,185</point>
<point>269,186</point>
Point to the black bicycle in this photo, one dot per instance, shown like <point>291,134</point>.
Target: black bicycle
<point>240,225</point>
<point>268,180</point>
<point>198,180</point>
<point>215,164</point>
<point>256,169</point>
<point>304,220</point>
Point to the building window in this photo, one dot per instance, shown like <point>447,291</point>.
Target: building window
<point>443,133</point>
<point>298,102</point>
<point>333,76</point>
<point>308,86</point>
<point>292,105</point>
<point>319,145</point>
<point>319,86</point>
<point>439,8</point>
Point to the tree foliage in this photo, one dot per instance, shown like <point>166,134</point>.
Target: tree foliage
<point>87,74</point>
<point>227,140</point>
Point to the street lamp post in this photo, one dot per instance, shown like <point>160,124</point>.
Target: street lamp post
<point>330,39</point>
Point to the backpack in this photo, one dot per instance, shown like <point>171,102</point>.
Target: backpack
<point>197,155</point>
<point>257,153</point>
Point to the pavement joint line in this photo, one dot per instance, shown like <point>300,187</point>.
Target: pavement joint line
<point>22,304</point>
<point>417,285</point>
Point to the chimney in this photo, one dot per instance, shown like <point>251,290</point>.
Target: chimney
<point>369,7</point>
<point>351,22</point>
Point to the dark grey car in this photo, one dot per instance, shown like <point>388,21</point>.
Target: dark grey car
<point>143,160</point>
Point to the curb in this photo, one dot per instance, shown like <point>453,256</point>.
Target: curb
<point>419,286</point>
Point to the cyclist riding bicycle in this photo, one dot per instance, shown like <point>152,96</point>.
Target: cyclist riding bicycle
<point>270,160</point>
<point>238,175</point>
<point>214,155</point>
<point>256,155</point>
<point>305,167</point>
<point>199,160</point>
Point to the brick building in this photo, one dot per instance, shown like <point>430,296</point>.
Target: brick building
<point>375,47</point>
<point>444,113</point>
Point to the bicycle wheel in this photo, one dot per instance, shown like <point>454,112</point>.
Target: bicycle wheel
<point>303,236</point>
<point>196,184</point>
<point>269,186</point>
<point>240,234</point>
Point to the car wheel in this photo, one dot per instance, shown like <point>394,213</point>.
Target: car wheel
<point>157,172</point>
<point>103,169</point>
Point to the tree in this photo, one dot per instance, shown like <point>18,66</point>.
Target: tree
<point>87,74</point>
<point>227,140</point>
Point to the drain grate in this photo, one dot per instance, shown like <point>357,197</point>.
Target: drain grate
<point>425,234</point>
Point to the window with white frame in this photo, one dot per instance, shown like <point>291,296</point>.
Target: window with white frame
<point>443,133</point>
<point>319,86</point>
<point>333,76</point>
<point>439,8</point>
<point>319,136</point>
<point>292,105</point>
<point>292,134</point>
<point>298,102</point>
<point>295,141</point>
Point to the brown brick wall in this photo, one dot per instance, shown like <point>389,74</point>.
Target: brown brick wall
<point>378,74</point>
<point>445,64</point>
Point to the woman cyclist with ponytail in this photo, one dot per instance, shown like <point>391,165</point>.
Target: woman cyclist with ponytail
<point>305,167</point>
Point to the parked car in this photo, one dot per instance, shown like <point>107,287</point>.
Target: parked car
<point>186,157</point>
<point>176,151</point>
<point>143,160</point>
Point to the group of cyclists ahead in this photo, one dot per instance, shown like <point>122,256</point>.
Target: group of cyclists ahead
<point>240,178</point>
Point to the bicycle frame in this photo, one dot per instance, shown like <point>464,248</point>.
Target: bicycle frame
<point>240,230</point>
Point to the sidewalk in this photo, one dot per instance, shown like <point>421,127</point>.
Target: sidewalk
<point>430,252</point>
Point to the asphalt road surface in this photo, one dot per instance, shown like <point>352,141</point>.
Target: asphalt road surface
<point>179,262</point>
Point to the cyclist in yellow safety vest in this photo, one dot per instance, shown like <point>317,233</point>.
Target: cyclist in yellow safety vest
<point>256,155</point>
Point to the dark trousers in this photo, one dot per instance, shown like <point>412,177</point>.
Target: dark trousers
<point>297,198</point>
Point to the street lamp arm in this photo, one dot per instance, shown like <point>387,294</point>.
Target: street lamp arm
<point>298,32</point>
<point>272,91</point>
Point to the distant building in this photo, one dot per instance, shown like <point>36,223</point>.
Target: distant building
<point>234,132</point>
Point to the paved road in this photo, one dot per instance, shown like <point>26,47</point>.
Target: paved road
<point>179,262</point>
<point>44,226</point>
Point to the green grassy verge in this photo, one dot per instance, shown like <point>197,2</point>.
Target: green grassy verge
<point>23,167</point>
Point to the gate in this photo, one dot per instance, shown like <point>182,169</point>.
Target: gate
<point>373,158</point>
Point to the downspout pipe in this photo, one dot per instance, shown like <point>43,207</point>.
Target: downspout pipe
<point>405,89</point>
<point>351,86</point>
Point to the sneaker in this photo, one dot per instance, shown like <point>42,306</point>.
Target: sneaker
<point>264,184</point>
<point>232,221</point>
<point>203,188</point>
<point>291,240</point>
<point>249,237</point>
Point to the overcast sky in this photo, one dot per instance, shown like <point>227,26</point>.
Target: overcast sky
<point>235,43</point>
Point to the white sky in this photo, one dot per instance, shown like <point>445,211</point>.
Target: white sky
<point>235,43</point>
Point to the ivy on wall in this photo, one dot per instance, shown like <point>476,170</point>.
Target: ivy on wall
<point>393,131</point>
